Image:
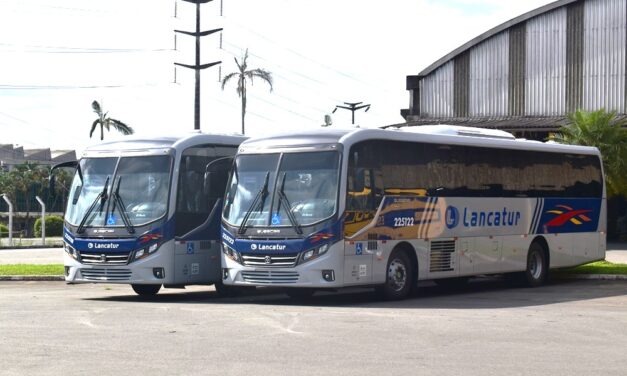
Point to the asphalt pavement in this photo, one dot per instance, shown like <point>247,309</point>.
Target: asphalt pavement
<point>485,328</point>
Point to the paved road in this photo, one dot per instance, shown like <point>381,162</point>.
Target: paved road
<point>566,328</point>
<point>616,252</point>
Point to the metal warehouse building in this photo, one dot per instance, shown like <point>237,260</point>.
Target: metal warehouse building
<point>525,75</point>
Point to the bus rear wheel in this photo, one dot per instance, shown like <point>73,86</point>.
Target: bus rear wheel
<point>399,277</point>
<point>537,266</point>
<point>146,290</point>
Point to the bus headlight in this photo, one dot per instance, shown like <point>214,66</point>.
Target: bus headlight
<point>231,253</point>
<point>313,253</point>
<point>70,250</point>
<point>143,252</point>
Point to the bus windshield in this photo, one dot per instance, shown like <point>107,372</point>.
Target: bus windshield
<point>289,189</point>
<point>136,195</point>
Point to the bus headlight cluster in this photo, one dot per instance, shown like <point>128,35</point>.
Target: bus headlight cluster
<point>70,250</point>
<point>144,252</point>
<point>231,253</point>
<point>313,253</point>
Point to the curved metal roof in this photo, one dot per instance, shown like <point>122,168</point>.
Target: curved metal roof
<point>490,33</point>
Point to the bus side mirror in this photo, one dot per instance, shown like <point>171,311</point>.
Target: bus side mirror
<point>206,185</point>
<point>52,183</point>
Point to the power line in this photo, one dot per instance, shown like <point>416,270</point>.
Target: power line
<point>81,50</point>
<point>336,71</point>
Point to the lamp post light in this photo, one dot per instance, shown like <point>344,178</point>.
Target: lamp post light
<point>352,107</point>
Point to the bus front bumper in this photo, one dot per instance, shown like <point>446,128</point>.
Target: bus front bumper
<point>147,271</point>
<point>324,272</point>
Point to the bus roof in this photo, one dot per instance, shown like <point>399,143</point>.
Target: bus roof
<point>139,143</point>
<point>445,134</point>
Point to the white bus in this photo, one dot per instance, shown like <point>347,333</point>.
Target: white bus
<point>387,208</point>
<point>146,212</point>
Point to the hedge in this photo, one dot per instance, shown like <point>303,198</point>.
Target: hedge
<point>4,231</point>
<point>54,226</point>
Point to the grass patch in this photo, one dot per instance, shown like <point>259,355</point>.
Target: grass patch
<point>599,267</point>
<point>31,269</point>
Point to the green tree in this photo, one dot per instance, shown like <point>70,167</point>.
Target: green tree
<point>107,122</point>
<point>243,75</point>
<point>24,181</point>
<point>606,132</point>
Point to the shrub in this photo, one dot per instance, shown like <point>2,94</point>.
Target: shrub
<point>54,226</point>
<point>4,231</point>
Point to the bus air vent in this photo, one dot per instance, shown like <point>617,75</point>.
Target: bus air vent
<point>441,259</point>
<point>372,242</point>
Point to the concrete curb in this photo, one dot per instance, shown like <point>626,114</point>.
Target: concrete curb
<point>602,277</point>
<point>32,278</point>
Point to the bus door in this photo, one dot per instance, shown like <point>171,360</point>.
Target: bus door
<point>200,192</point>
<point>363,199</point>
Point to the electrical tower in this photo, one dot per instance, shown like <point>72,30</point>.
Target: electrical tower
<point>352,107</point>
<point>197,66</point>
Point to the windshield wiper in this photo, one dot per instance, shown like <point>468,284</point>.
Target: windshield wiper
<point>118,199</point>
<point>263,192</point>
<point>290,215</point>
<point>102,196</point>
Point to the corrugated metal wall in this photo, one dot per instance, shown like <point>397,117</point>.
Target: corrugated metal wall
<point>436,91</point>
<point>546,64</point>
<point>489,75</point>
<point>604,55</point>
<point>574,56</point>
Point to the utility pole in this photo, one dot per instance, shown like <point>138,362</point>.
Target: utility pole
<point>197,66</point>
<point>353,107</point>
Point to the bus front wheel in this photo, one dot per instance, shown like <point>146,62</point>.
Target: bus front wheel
<point>537,266</point>
<point>146,290</point>
<point>399,277</point>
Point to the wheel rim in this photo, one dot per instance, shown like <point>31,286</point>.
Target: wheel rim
<point>397,275</point>
<point>535,265</point>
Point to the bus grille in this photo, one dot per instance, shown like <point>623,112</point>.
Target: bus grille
<point>440,258</point>
<point>104,274</point>
<point>104,258</point>
<point>280,261</point>
<point>270,277</point>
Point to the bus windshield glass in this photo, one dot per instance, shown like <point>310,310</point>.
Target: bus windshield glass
<point>137,194</point>
<point>301,189</point>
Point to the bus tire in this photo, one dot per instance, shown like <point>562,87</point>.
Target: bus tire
<point>399,277</point>
<point>537,266</point>
<point>300,293</point>
<point>146,290</point>
<point>225,291</point>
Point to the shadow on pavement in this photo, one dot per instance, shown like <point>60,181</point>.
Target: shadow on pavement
<point>479,293</point>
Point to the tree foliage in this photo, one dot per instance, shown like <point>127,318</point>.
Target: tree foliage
<point>107,122</point>
<point>54,226</point>
<point>244,75</point>
<point>606,132</point>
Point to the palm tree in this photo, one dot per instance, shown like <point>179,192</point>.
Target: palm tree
<point>243,74</point>
<point>606,132</point>
<point>107,122</point>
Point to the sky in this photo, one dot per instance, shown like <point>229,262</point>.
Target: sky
<point>57,56</point>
